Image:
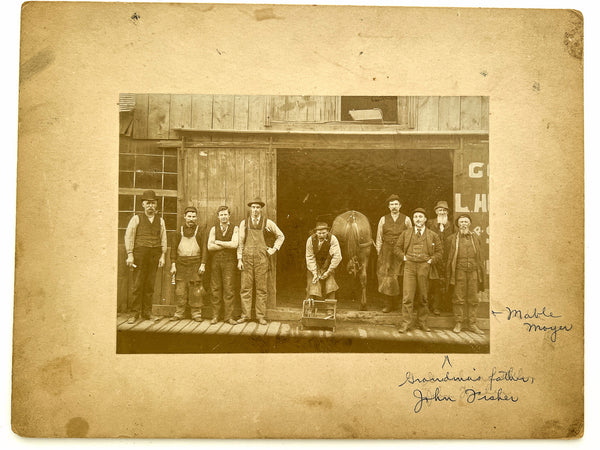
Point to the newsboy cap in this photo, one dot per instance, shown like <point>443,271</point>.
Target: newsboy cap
<point>190,209</point>
<point>149,195</point>
<point>393,197</point>
<point>258,201</point>
<point>321,226</point>
<point>419,210</point>
<point>460,216</point>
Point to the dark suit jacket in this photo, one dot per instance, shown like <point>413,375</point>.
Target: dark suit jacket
<point>451,261</point>
<point>433,245</point>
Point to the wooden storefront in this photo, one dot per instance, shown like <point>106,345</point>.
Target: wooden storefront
<point>230,149</point>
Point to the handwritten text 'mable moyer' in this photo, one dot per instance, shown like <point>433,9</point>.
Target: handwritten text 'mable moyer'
<point>528,317</point>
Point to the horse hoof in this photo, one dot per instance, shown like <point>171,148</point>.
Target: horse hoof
<point>363,307</point>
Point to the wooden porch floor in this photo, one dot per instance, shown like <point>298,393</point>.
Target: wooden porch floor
<point>292,329</point>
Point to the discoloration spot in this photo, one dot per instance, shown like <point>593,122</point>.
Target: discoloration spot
<point>576,429</point>
<point>265,14</point>
<point>573,38</point>
<point>360,53</point>
<point>483,73</point>
<point>57,374</point>
<point>319,402</point>
<point>77,427</point>
<point>36,64</point>
<point>219,51</point>
<point>75,186</point>
<point>135,17</point>
<point>536,86</point>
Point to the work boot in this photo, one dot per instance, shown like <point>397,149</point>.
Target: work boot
<point>475,329</point>
<point>387,305</point>
<point>424,327</point>
<point>403,328</point>
<point>457,327</point>
<point>132,319</point>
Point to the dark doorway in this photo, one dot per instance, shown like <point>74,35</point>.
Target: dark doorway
<point>321,184</point>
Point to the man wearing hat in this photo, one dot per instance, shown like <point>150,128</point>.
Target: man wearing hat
<point>465,271</point>
<point>188,263</point>
<point>256,245</point>
<point>223,239</point>
<point>146,246</point>
<point>388,267</point>
<point>420,249</point>
<point>444,228</point>
<point>323,255</point>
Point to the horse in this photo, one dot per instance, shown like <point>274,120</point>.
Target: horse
<point>353,231</point>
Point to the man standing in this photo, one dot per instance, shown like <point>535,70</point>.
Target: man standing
<point>146,246</point>
<point>388,267</point>
<point>323,255</point>
<point>465,271</point>
<point>253,253</point>
<point>223,242</point>
<point>444,228</point>
<point>420,249</point>
<point>188,262</point>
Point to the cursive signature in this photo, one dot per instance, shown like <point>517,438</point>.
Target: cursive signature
<point>555,329</point>
<point>471,395</point>
<point>436,397</point>
<point>411,379</point>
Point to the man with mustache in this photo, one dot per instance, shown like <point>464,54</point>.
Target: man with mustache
<point>323,255</point>
<point>444,228</point>
<point>465,271</point>
<point>388,267</point>
<point>420,249</point>
<point>188,263</point>
<point>146,245</point>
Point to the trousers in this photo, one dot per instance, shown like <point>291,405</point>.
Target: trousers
<point>465,300</point>
<point>144,275</point>
<point>415,284</point>
<point>256,265</point>
<point>221,284</point>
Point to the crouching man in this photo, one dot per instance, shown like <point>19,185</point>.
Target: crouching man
<point>323,255</point>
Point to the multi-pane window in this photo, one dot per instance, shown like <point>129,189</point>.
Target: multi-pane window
<point>144,165</point>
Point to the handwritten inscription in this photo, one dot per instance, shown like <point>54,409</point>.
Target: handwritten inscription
<point>531,320</point>
<point>477,387</point>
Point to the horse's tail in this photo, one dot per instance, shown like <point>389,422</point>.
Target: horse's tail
<point>353,243</point>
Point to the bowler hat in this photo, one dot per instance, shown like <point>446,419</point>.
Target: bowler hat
<point>419,210</point>
<point>256,200</point>
<point>461,216</point>
<point>149,195</point>
<point>321,226</point>
<point>190,209</point>
<point>393,197</point>
<point>441,204</point>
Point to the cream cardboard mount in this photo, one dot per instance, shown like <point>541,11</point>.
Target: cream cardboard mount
<point>76,58</point>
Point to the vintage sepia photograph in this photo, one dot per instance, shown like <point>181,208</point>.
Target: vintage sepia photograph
<point>303,223</point>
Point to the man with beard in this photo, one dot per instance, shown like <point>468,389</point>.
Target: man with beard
<point>465,271</point>
<point>323,255</point>
<point>444,228</point>
<point>388,267</point>
<point>253,253</point>
<point>420,249</point>
<point>188,263</point>
<point>146,246</point>
<point>222,243</point>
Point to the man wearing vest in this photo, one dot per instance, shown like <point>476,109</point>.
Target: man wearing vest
<point>323,255</point>
<point>188,262</point>
<point>465,271</point>
<point>444,228</point>
<point>253,259</point>
<point>146,245</point>
<point>223,242</point>
<point>388,266</point>
<point>420,249</point>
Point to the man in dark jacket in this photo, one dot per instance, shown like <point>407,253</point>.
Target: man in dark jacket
<point>444,228</point>
<point>465,271</point>
<point>420,250</point>
<point>188,262</point>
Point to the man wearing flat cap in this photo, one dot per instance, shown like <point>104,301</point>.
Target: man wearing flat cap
<point>323,255</point>
<point>388,266</point>
<point>420,249</point>
<point>146,246</point>
<point>442,225</point>
<point>255,246</point>
<point>188,263</point>
<point>465,271</point>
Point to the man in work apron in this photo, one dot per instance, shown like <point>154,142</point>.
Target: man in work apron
<point>323,255</point>
<point>188,263</point>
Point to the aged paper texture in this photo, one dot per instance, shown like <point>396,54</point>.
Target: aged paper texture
<point>76,58</point>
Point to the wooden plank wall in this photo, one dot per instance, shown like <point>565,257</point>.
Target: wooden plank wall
<point>233,177</point>
<point>452,113</point>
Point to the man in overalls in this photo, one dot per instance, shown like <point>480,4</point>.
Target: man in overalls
<point>222,243</point>
<point>420,249</point>
<point>323,255</point>
<point>188,262</point>
<point>388,266</point>
<point>146,246</point>
<point>253,259</point>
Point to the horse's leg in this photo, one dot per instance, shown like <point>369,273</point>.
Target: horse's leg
<point>363,285</point>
